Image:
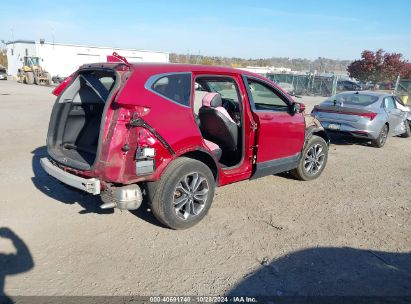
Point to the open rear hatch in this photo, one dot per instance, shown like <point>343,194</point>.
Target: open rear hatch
<point>77,119</point>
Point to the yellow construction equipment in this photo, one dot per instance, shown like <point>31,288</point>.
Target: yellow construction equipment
<point>32,72</point>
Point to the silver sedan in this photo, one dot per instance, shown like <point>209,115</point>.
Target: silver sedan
<point>365,114</point>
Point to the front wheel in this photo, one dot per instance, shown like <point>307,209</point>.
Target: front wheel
<point>313,160</point>
<point>184,193</point>
<point>29,78</point>
<point>407,132</point>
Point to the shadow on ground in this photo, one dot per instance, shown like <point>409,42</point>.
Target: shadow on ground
<point>345,140</point>
<point>56,190</point>
<point>13,263</point>
<point>331,272</point>
<point>67,195</point>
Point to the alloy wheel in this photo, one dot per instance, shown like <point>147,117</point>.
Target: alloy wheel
<point>190,195</point>
<point>314,159</point>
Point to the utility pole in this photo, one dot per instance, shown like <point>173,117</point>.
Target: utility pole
<point>397,82</point>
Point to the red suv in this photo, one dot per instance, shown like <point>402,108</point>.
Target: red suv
<point>172,133</point>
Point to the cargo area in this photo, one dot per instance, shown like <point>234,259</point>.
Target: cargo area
<point>77,118</point>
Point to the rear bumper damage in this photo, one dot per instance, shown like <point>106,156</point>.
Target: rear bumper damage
<point>89,185</point>
<point>127,197</point>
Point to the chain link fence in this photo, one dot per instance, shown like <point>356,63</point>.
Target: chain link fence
<point>308,84</point>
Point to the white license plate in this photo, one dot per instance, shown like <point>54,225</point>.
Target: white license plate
<point>334,126</point>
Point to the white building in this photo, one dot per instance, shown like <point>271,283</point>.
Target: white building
<point>63,59</point>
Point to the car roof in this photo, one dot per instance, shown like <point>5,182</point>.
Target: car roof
<point>178,67</point>
<point>162,68</point>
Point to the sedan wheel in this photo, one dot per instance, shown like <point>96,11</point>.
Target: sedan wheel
<point>407,132</point>
<point>380,141</point>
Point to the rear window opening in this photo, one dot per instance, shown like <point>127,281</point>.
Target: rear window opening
<point>76,119</point>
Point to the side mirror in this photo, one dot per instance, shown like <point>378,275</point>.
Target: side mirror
<point>297,107</point>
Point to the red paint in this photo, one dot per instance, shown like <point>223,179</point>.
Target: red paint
<point>280,134</point>
<point>116,58</point>
<point>277,134</point>
<point>57,91</point>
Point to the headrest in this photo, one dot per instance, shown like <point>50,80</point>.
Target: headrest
<point>212,100</point>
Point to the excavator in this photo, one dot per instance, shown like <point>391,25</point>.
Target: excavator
<point>32,72</point>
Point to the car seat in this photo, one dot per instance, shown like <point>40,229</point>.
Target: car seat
<point>216,125</point>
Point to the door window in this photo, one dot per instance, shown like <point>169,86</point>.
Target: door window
<point>265,98</point>
<point>389,103</point>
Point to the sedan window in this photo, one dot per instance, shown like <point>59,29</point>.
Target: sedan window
<point>389,103</point>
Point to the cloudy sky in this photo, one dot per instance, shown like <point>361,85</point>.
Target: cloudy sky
<point>249,29</point>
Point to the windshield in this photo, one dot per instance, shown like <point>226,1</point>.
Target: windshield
<point>352,99</point>
<point>33,61</point>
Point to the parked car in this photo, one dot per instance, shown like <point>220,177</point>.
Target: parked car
<point>124,131</point>
<point>384,86</point>
<point>369,115</point>
<point>347,85</point>
<point>3,74</point>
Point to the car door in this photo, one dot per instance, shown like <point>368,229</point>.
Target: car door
<point>395,116</point>
<point>280,133</point>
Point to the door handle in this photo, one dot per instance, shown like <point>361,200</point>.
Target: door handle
<point>266,117</point>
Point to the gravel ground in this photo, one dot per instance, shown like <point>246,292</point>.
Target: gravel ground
<point>347,232</point>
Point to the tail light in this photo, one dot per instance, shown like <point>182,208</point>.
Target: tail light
<point>369,115</point>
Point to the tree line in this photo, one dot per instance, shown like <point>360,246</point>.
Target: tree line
<point>380,66</point>
<point>296,64</point>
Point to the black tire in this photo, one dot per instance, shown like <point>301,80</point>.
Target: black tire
<point>380,141</point>
<point>165,194</point>
<point>407,132</point>
<point>302,172</point>
<point>29,77</point>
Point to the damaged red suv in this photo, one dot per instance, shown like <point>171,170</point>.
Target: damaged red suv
<point>172,133</point>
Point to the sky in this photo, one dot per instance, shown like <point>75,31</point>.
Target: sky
<point>247,29</point>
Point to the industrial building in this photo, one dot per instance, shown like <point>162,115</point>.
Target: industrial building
<point>63,59</point>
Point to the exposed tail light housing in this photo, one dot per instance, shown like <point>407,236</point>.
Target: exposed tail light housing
<point>57,91</point>
<point>145,153</point>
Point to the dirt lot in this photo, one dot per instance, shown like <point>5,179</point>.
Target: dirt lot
<point>349,232</point>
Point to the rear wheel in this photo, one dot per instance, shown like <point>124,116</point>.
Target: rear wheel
<point>313,160</point>
<point>29,77</point>
<point>380,141</point>
<point>407,132</point>
<point>184,193</point>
